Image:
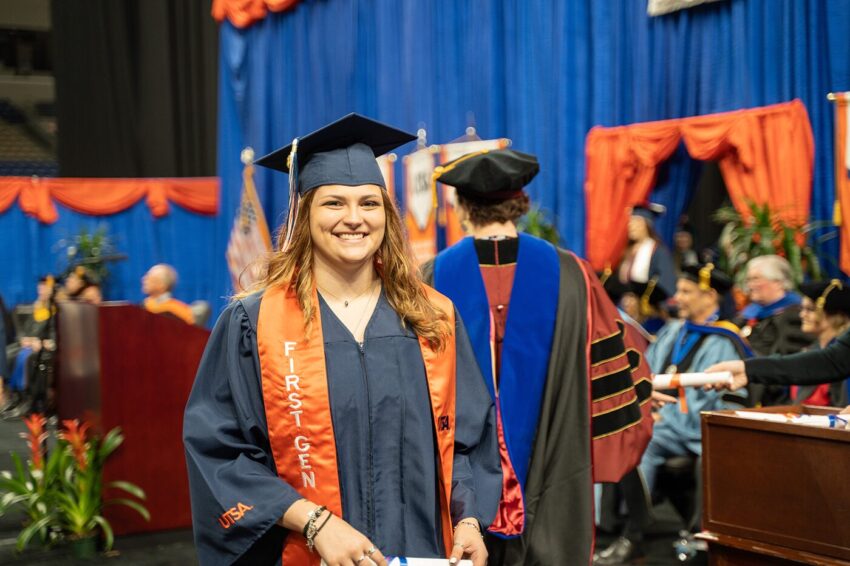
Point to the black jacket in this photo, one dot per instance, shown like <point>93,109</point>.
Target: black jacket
<point>806,368</point>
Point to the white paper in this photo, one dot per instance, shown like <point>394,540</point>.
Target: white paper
<point>665,380</point>
<point>823,421</point>
<point>426,562</point>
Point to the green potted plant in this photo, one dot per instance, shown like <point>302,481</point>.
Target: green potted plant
<point>91,248</point>
<point>61,492</point>
<point>764,233</point>
<point>79,497</point>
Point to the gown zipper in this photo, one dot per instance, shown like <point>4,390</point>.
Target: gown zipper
<point>370,503</point>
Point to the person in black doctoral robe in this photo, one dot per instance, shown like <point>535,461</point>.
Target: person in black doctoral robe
<point>338,412</point>
<point>572,391</point>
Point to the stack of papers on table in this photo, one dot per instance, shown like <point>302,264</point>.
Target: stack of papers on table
<point>825,421</point>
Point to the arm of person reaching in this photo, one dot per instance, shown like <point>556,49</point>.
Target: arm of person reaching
<point>806,368</point>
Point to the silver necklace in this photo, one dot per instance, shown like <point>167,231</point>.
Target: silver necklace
<point>362,314</point>
<point>346,302</point>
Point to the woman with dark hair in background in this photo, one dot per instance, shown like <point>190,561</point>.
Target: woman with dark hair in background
<point>646,257</point>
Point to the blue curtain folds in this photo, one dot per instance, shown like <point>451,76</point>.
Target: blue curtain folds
<point>540,73</point>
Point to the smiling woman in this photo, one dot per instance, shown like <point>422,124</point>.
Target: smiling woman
<point>333,383</point>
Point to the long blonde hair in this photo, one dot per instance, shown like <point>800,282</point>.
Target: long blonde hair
<point>293,269</point>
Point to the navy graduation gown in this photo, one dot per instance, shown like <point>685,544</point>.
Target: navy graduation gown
<point>384,440</point>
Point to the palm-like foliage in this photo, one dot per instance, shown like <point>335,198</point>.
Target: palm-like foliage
<point>764,233</point>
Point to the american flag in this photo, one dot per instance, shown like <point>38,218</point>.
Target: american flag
<point>250,240</point>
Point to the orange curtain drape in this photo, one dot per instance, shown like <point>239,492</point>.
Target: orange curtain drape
<point>99,197</point>
<point>766,155</point>
<point>243,13</point>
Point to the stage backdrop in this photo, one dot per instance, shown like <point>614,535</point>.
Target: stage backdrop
<point>181,238</point>
<point>539,73</point>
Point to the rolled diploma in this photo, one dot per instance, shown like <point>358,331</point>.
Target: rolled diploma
<point>675,380</point>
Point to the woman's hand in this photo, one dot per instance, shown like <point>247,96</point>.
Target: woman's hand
<point>340,544</point>
<point>468,543</point>
<point>660,399</point>
<point>738,371</point>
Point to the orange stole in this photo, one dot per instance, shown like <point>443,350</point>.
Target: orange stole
<point>172,306</point>
<point>295,395</point>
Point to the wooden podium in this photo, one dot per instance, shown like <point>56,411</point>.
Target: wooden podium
<point>775,493</point>
<point>119,365</point>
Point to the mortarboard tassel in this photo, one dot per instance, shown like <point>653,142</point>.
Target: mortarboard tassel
<point>294,197</point>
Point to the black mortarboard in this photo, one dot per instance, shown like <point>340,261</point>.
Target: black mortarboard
<point>651,291</point>
<point>708,277</point>
<point>649,210</point>
<point>496,174</point>
<point>340,153</point>
<point>829,296</point>
<point>613,286</point>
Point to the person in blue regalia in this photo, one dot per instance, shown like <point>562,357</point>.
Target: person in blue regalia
<point>771,322</point>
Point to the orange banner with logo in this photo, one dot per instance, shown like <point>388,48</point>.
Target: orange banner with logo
<point>420,203</point>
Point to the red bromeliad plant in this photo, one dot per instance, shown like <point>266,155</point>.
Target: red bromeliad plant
<point>36,437</point>
<point>32,485</point>
<point>79,499</point>
<point>61,491</point>
<point>75,436</point>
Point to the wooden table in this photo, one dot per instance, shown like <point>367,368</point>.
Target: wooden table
<point>775,493</point>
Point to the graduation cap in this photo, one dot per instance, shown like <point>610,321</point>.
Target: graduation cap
<point>613,286</point>
<point>650,211</point>
<point>707,277</point>
<point>829,296</point>
<point>497,174</point>
<point>650,294</point>
<point>340,153</point>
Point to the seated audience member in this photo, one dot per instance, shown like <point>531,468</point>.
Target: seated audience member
<point>36,334</point>
<point>825,313</point>
<point>688,345</point>
<point>771,322</point>
<point>157,284</point>
<point>82,285</point>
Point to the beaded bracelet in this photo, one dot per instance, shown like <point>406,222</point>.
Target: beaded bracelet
<point>473,524</point>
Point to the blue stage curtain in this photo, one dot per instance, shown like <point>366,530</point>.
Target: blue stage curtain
<point>540,73</point>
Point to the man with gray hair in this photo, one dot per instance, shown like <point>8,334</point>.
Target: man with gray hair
<point>771,322</point>
<point>157,284</point>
